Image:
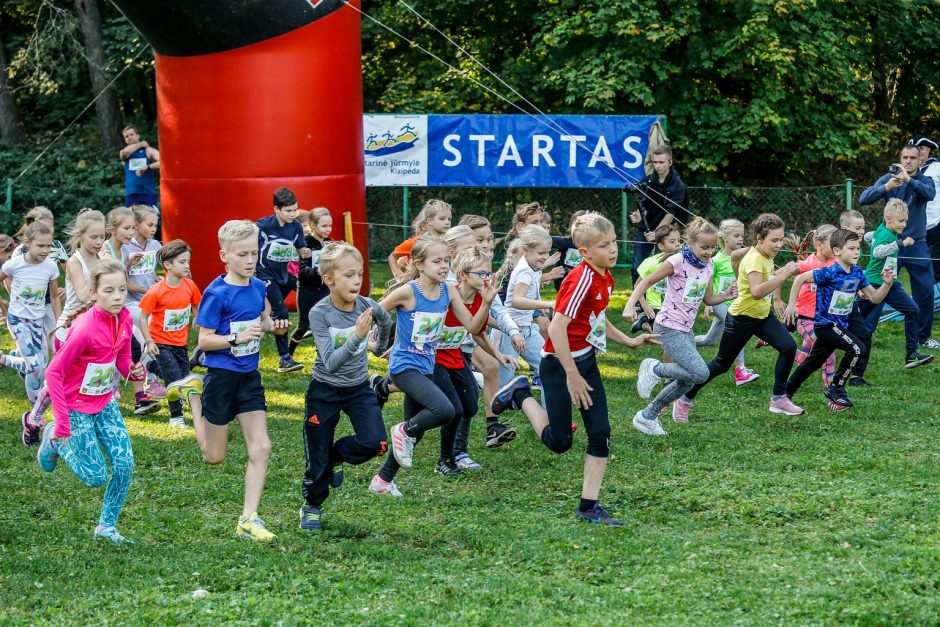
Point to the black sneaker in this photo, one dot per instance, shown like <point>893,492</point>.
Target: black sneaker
<point>289,365</point>
<point>598,516</point>
<point>31,433</point>
<point>146,405</point>
<point>310,518</point>
<point>198,359</point>
<point>447,468</point>
<point>380,386</point>
<point>837,394</point>
<point>498,434</point>
<point>504,397</point>
<point>860,382</point>
<point>336,479</point>
<point>917,359</point>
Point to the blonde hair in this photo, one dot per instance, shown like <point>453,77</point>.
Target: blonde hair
<point>85,218</point>
<point>142,212</point>
<point>456,233</point>
<point>236,231</point>
<point>574,216</point>
<point>724,229</point>
<point>534,235</point>
<point>513,254</point>
<point>823,232</point>
<point>318,214</point>
<point>895,207</point>
<point>7,243</point>
<point>33,215</point>
<point>419,253</point>
<point>333,252</point>
<point>116,216</point>
<point>430,209</point>
<point>469,258</point>
<point>851,214</point>
<point>303,217</point>
<point>523,212</point>
<point>103,267</point>
<point>698,226</point>
<point>35,229</point>
<point>474,221</point>
<point>589,226</point>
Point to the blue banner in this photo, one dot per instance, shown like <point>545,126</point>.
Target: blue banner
<point>506,150</point>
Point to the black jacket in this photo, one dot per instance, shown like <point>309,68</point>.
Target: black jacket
<point>652,199</point>
<point>309,276</point>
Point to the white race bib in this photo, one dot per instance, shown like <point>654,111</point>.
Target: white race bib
<point>694,291</point>
<point>98,379</point>
<point>427,327</point>
<point>147,264</point>
<point>32,298</point>
<point>770,296</point>
<point>841,303</point>
<point>452,337</point>
<point>341,336</point>
<point>315,259</point>
<point>891,263</point>
<point>724,283</point>
<point>138,163</point>
<point>598,334</point>
<point>660,288</point>
<point>282,251</point>
<point>572,257</point>
<point>176,319</point>
<point>252,347</point>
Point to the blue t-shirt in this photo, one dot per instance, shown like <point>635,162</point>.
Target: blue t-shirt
<point>229,309</point>
<point>144,184</point>
<point>418,331</point>
<point>835,293</point>
<point>277,246</point>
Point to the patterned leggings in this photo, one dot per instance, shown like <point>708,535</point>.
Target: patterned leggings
<point>806,329</point>
<point>32,353</point>
<point>82,452</point>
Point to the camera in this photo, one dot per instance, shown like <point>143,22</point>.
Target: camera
<point>894,169</point>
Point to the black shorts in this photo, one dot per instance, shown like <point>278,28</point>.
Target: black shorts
<point>227,393</point>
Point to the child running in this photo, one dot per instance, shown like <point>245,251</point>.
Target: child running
<point>667,241</point>
<point>32,275</point>
<point>82,378</point>
<point>340,380</point>
<point>57,254</point>
<point>836,288</point>
<point>142,274</point>
<point>750,315</point>
<point>421,300</point>
<point>569,369</point>
<point>730,238</point>
<point>165,314</point>
<point>688,276</point>
<point>432,221</point>
<point>806,300</point>
<point>310,286</point>
<point>232,319</point>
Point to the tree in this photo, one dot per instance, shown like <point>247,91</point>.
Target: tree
<point>11,127</point>
<point>106,107</point>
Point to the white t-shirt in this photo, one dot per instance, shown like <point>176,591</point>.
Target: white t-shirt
<point>525,275</point>
<point>30,282</point>
<point>933,207</point>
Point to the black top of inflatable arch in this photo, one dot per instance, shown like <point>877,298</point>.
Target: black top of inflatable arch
<point>185,28</point>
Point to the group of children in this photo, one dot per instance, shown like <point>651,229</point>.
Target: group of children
<point>443,325</point>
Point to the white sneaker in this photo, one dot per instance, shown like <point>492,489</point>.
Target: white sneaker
<point>463,461</point>
<point>178,422</point>
<point>379,486</point>
<point>403,446</point>
<point>931,344</point>
<point>649,427</point>
<point>647,379</point>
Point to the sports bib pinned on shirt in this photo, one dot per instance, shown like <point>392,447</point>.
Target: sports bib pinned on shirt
<point>176,319</point>
<point>660,288</point>
<point>452,337</point>
<point>694,291</point>
<point>146,264</point>
<point>427,327</point>
<point>891,263</point>
<point>572,257</point>
<point>138,163</point>
<point>724,283</point>
<point>281,251</point>
<point>841,303</point>
<point>315,259</point>
<point>597,337</point>
<point>341,336</point>
<point>252,347</point>
<point>98,379</point>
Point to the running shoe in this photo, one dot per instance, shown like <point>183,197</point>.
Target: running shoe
<point>464,462</point>
<point>744,375</point>
<point>536,382</point>
<point>31,432</point>
<point>198,358</point>
<point>181,389</point>
<point>784,405</point>
<point>146,405</point>
<point>498,434</point>
<point>177,422</point>
<point>109,533</point>
<point>403,445</point>
<point>504,397</point>
<point>252,528</point>
<point>154,387</point>
<point>647,379</point>
<point>337,476</point>
<point>649,427</point>
<point>47,456</point>
<point>837,394</point>
<point>478,377</point>
<point>680,410</point>
<point>917,359</point>
<point>833,406</point>
<point>598,516</point>
<point>380,386</point>
<point>289,365</point>
<point>447,468</point>
<point>311,518</point>
<point>931,344</point>
<point>761,344</point>
<point>381,486</point>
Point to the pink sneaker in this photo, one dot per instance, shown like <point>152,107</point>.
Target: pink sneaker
<point>154,387</point>
<point>785,406</point>
<point>680,410</point>
<point>744,375</point>
<point>833,406</point>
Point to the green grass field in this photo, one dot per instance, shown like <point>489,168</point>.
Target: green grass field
<point>741,516</point>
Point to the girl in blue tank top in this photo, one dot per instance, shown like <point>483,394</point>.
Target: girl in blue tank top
<point>420,300</point>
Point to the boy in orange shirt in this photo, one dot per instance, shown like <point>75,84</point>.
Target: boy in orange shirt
<point>166,311</point>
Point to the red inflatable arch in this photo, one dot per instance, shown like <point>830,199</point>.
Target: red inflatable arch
<point>253,95</point>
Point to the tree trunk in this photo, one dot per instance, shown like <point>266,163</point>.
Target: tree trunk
<point>106,107</point>
<point>11,129</point>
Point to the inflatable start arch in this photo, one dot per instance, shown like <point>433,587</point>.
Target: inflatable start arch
<point>253,95</point>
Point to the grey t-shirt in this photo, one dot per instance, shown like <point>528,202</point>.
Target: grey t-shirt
<point>341,355</point>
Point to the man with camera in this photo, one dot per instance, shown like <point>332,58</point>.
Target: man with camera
<point>905,181</point>
<point>663,197</point>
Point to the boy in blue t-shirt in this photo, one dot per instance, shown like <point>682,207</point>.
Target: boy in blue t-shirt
<point>232,319</point>
<point>280,238</point>
<point>836,287</point>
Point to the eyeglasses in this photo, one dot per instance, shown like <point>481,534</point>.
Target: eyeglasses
<point>482,275</point>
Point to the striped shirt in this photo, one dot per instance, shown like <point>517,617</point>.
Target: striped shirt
<point>583,297</point>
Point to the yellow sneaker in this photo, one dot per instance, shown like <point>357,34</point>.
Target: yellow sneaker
<point>252,528</point>
<point>180,390</point>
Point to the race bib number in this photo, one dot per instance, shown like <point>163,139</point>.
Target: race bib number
<point>725,283</point>
<point>841,303</point>
<point>452,337</point>
<point>33,298</point>
<point>770,296</point>
<point>139,163</point>
<point>281,251</point>
<point>427,327</point>
<point>341,336</point>
<point>891,263</point>
<point>694,291</point>
<point>98,379</point>
<point>572,257</point>
<point>598,335</point>
<point>660,288</point>
<point>176,319</point>
<point>315,259</point>
<point>252,347</point>
<point>146,264</point>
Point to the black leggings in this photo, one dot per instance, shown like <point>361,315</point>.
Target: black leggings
<point>557,436</point>
<point>828,338</point>
<point>738,331</point>
<point>307,297</point>
<point>433,410</point>
<point>461,389</point>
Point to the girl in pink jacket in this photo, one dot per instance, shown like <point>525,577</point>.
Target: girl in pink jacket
<point>81,378</point>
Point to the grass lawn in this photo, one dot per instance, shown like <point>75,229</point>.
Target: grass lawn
<point>741,516</point>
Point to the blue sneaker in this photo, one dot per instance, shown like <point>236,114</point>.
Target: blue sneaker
<point>310,518</point>
<point>47,455</point>
<point>503,399</point>
<point>598,516</point>
<point>336,478</point>
<point>110,533</point>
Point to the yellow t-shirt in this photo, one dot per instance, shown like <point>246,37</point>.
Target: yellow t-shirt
<point>745,304</point>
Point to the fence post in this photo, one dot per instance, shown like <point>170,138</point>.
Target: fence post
<point>8,205</point>
<point>404,213</point>
<point>848,194</point>
<point>624,222</point>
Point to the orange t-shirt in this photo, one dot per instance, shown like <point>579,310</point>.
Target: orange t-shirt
<point>404,249</point>
<point>170,310</point>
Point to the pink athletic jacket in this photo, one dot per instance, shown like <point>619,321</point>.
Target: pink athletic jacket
<point>82,375</point>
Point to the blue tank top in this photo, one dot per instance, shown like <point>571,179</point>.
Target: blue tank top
<point>133,184</point>
<point>417,332</point>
